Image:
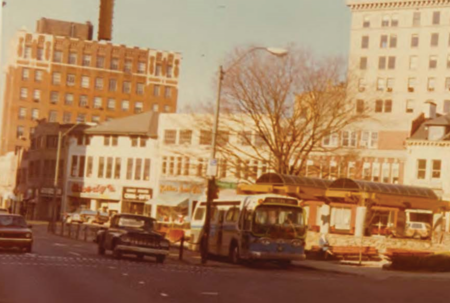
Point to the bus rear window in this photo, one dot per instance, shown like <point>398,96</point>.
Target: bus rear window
<point>199,214</point>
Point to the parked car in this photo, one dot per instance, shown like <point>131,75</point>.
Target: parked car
<point>133,234</point>
<point>418,230</point>
<point>4,211</point>
<point>15,233</point>
<point>87,216</point>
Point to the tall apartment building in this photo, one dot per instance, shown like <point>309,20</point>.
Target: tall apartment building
<point>60,74</point>
<point>399,66</point>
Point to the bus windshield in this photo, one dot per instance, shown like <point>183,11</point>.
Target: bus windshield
<point>279,222</point>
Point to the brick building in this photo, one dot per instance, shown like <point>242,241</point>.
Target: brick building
<point>60,74</point>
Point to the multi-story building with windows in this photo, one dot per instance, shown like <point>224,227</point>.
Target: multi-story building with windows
<point>60,74</point>
<point>399,63</point>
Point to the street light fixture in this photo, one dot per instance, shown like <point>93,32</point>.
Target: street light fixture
<point>279,52</point>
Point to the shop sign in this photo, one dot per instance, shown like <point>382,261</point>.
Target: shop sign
<point>180,187</point>
<point>82,190</point>
<point>50,191</point>
<point>137,194</point>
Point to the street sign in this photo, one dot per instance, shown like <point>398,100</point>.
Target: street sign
<point>212,168</point>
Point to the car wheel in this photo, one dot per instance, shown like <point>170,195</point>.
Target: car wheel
<point>234,254</point>
<point>160,259</point>
<point>116,252</point>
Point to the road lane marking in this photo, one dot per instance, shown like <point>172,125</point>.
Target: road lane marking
<point>164,295</point>
<point>59,244</point>
<point>210,293</point>
<point>74,253</point>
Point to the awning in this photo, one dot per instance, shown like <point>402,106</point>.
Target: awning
<point>173,199</point>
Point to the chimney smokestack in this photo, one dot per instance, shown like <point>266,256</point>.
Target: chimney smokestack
<point>105,22</point>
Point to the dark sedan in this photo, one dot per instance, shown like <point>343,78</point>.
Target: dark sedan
<point>14,233</point>
<point>133,234</point>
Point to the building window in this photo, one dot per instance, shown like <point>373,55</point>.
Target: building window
<point>394,21</point>
<point>365,42</point>
<point>129,168</point>
<point>361,84</point>
<point>433,62</point>
<point>89,167</point>
<point>436,18</point>
<point>363,63</point>
<point>70,80</point>
<point>134,141</point>
<point>54,97</point>
<point>20,132</point>
<point>155,107</point>
<point>390,84</point>
<point>414,41</point>
<point>421,169</point>
<point>431,84</point>
<point>22,113</point>
<point>72,58</point>
<point>114,64</point>
<point>111,105</point>
<point>391,63</point>
<point>167,92</point>
<point>156,90</point>
<point>126,87</point>
<point>109,168</point>
<point>95,119</point>
<point>83,101</point>
<point>366,22</point>
<point>388,106</point>
<point>68,99</point>
<point>205,137</point>
<point>185,136</point>
<point>146,176</point>
<point>125,105</point>
<point>67,117</point>
<point>158,70</point>
<point>360,107</point>
<point>447,84</point>
<point>169,71</point>
<point>379,106</point>
<point>85,81</point>
<point>140,88</point>
<point>340,218</point>
<point>57,56</point>
<point>383,41</point>
<point>349,139</point>
<point>23,93</point>
<point>74,167</point>
<point>413,62</point>
<point>40,53</point>
<point>53,116</point>
<point>27,52</point>
<point>100,62</point>
<point>170,136</point>
<point>330,140</point>
<point>106,140</point>
<point>25,74</point>
<point>138,107</point>
<point>114,140</point>
<point>117,168</point>
<point>393,41</point>
<point>436,174</point>
<point>166,108</point>
<point>434,39</point>
<point>99,83</point>
<point>448,61</point>
<point>382,63</point>
<point>38,75</point>
<point>82,166</point>
<point>97,102</point>
<point>34,114</point>
<point>369,139</point>
<point>141,68</point>
<point>416,19</point>
<point>409,106</point>
<point>385,21</point>
<point>86,60</point>
<point>81,118</point>
<point>138,169</point>
<point>127,66</point>
<point>101,167</point>
<point>446,107</point>
<point>56,78</point>
<point>112,86</point>
<point>411,84</point>
<point>380,84</point>
<point>36,95</point>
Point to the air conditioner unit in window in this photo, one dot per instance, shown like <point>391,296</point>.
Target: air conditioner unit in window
<point>389,89</point>
<point>410,89</point>
<point>431,89</point>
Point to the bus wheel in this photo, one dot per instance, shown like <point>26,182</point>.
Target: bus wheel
<point>234,254</point>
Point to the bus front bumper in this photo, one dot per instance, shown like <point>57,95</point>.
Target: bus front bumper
<point>257,255</point>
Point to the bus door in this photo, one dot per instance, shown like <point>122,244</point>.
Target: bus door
<point>220,232</point>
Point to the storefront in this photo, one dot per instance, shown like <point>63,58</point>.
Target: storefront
<point>134,198</point>
<point>176,201</point>
<point>103,197</point>
<point>41,203</point>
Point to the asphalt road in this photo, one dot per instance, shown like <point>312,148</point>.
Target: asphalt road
<point>61,270</point>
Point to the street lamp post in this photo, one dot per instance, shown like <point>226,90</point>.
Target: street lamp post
<point>279,52</point>
<point>55,181</point>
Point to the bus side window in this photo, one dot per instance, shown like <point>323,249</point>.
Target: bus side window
<point>232,214</point>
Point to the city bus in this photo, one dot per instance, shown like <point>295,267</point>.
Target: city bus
<point>252,227</point>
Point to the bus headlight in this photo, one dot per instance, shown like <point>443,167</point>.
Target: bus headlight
<point>297,243</point>
<point>264,241</point>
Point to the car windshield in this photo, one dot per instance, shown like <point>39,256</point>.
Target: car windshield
<point>135,223</point>
<point>278,222</point>
<point>12,221</point>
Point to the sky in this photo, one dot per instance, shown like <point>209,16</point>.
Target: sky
<point>203,31</point>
